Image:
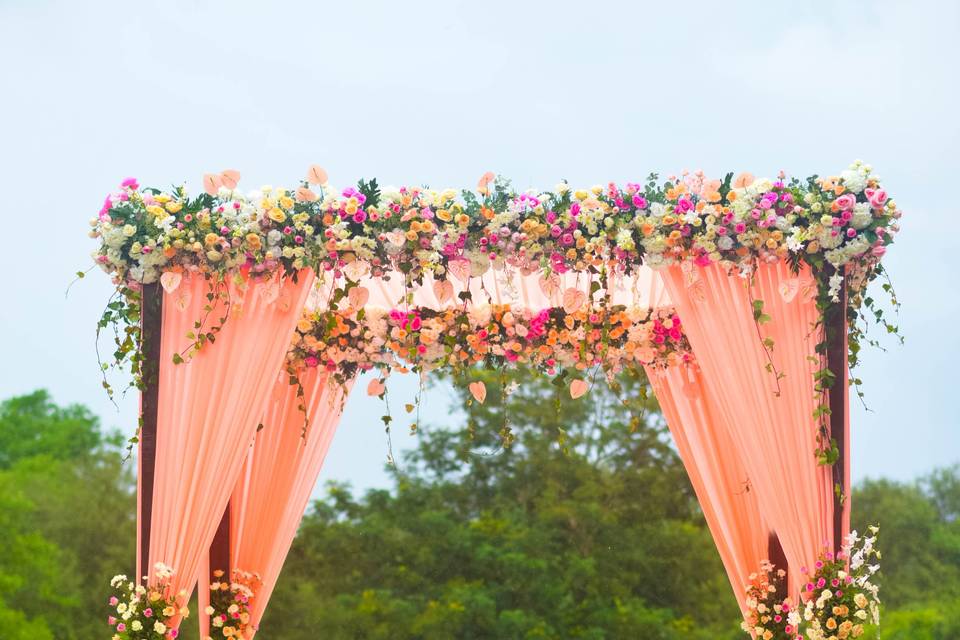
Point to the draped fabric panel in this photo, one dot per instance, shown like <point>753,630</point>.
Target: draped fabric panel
<point>278,476</point>
<point>717,473</point>
<point>209,408</point>
<point>775,434</point>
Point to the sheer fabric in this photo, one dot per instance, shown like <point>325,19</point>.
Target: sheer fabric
<point>209,408</point>
<point>716,470</point>
<point>644,288</point>
<point>274,487</point>
<point>775,435</point>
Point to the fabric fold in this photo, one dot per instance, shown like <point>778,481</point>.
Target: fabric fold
<point>770,419</point>
<point>209,406</point>
<point>716,470</point>
<point>279,473</point>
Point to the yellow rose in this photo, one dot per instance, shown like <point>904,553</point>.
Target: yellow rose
<point>174,207</point>
<point>277,215</point>
<point>286,202</point>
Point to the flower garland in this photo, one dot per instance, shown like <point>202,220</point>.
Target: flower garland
<point>836,225</point>
<point>229,607</point>
<point>841,220</point>
<point>838,600</point>
<point>550,340</point>
<point>139,612</point>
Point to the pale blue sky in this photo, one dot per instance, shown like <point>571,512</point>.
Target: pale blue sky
<point>438,93</point>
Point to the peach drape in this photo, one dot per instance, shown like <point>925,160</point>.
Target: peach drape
<point>209,408</point>
<point>717,473</point>
<point>775,435</point>
<point>278,476</point>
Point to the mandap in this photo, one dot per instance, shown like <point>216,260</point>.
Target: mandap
<point>246,317</point>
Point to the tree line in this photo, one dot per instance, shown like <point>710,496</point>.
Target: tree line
<point>584,527</point>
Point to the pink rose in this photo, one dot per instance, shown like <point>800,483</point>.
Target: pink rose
<point>877,197</point>
<point>846,201</point>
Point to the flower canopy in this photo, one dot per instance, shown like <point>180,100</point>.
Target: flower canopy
<point>566,282</point>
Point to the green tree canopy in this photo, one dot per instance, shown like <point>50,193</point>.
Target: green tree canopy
<point>586,527</point>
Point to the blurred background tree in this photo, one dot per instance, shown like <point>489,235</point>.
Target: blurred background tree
<point>586,527</point>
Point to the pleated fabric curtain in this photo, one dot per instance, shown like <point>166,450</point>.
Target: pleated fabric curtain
<point>774,434</point>
<point>274,487</point>
<point>209,408</point>
<point>716,470</point>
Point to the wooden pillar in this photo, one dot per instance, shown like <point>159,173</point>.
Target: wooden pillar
<point>836,333</point>
<point>220,547</point>
<point>778,559</point>
<point>151,323</point>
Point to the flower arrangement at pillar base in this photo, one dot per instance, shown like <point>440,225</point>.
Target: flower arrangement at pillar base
<point>141,612</point>
<point>229,607</point>
<point>840,597</point>
<point>769,616</point>
<point>838,601</point>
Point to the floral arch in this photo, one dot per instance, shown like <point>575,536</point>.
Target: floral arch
<point>246,317</point>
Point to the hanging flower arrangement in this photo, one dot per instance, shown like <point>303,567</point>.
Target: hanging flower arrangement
<point>549,340</point>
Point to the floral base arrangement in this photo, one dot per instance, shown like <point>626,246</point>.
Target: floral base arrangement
<point>229,607</point>
<point>839,600</point>
<point>141,612</point>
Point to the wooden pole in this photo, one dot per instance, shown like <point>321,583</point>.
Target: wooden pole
<point>836,328</point>
<point>220,547</point>
<point>778,559</point>
<point>151,323</point>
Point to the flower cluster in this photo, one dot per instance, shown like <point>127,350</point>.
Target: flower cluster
<point>141,612</point>
<point>769,615</point>
<point>840,595</point>
<point>837,602</point>
<point>229,607</point>
<point>144,232</point>
<point>843,219</point>
<point>549,340</point>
